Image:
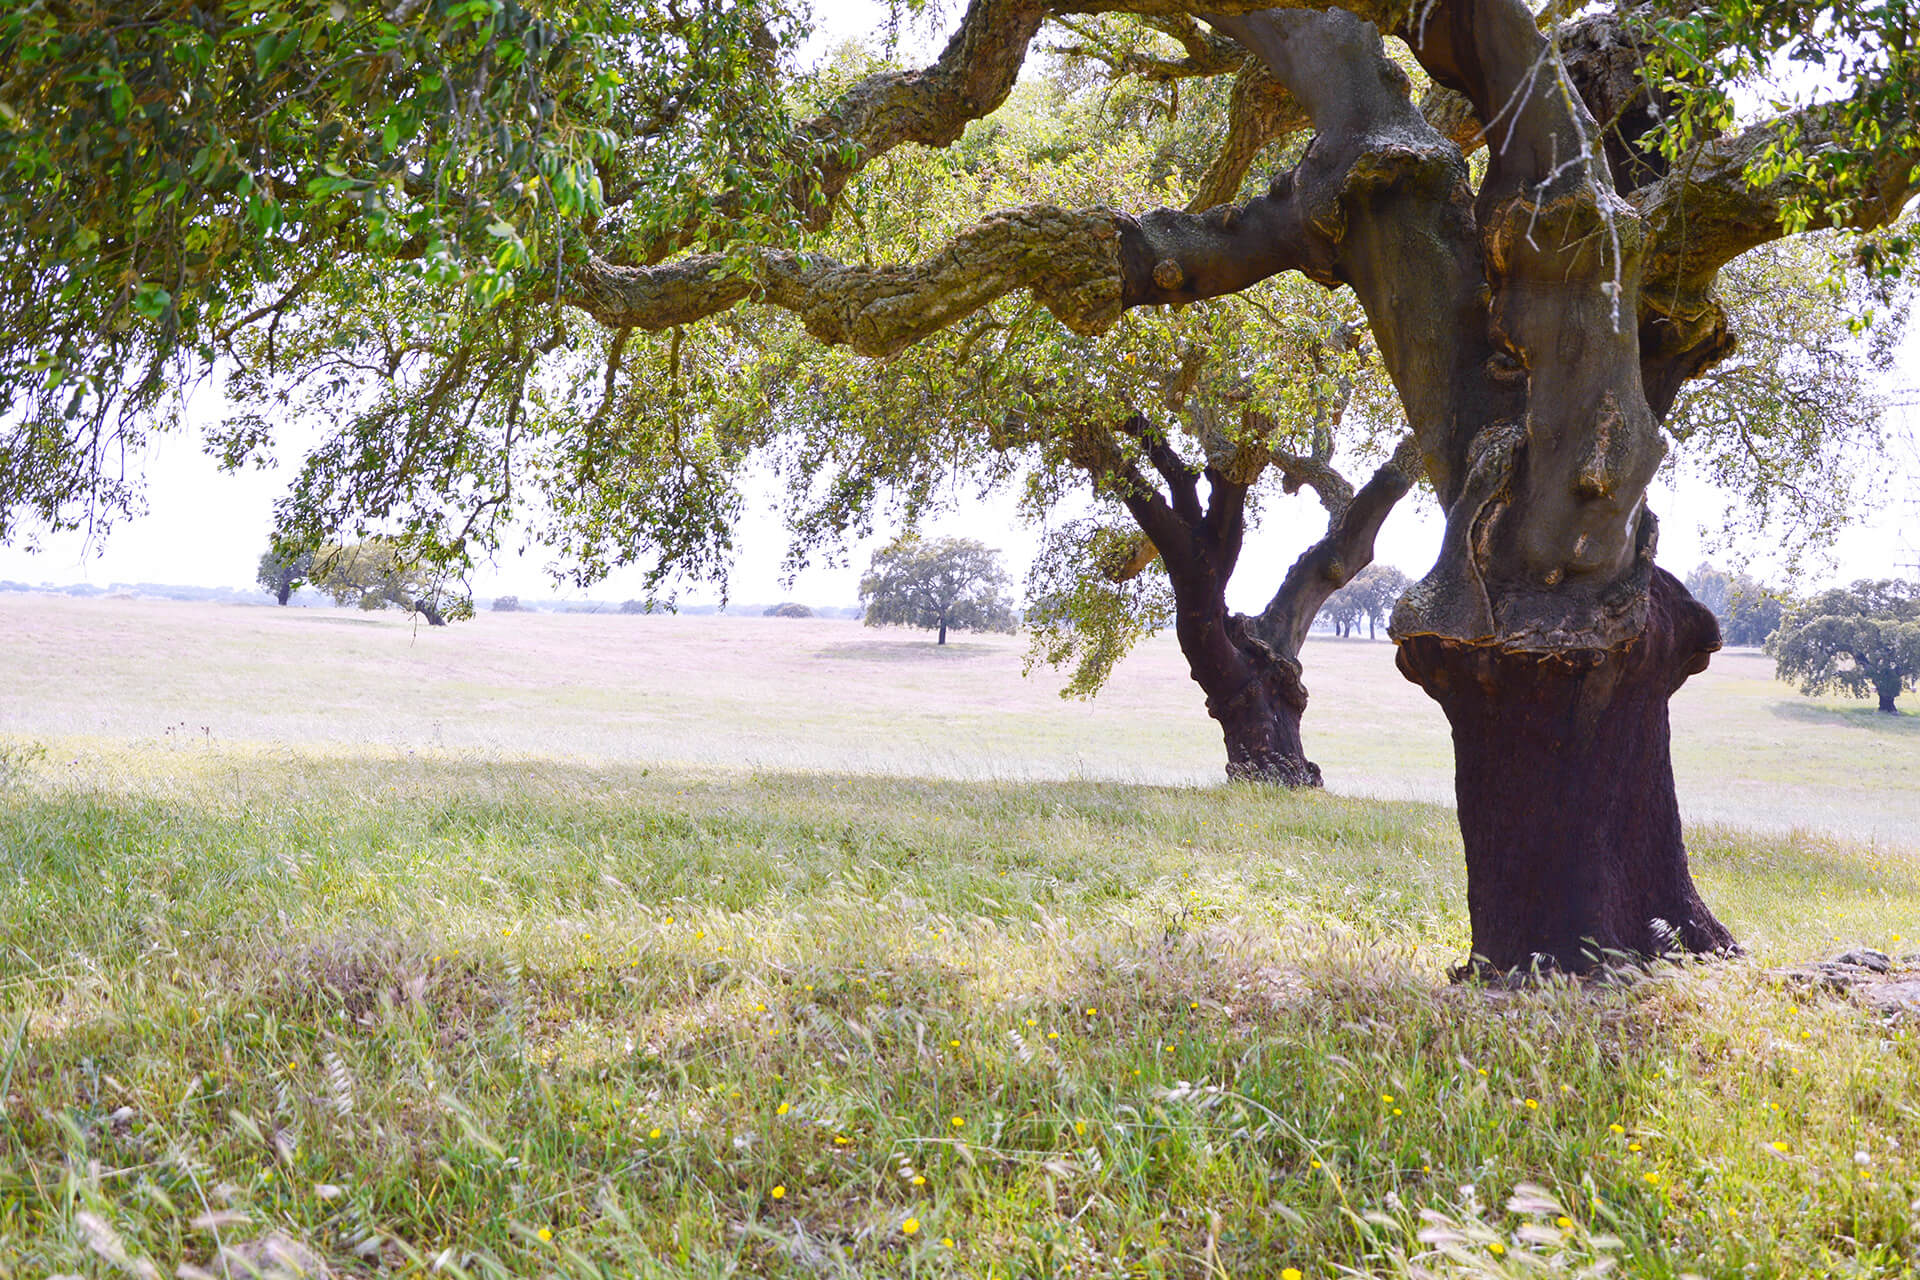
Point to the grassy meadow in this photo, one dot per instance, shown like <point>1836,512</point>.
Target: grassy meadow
<point>608,946</point>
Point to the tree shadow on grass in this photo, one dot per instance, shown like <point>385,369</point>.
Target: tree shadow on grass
<point>1865,716</point>
<point>905,651</point>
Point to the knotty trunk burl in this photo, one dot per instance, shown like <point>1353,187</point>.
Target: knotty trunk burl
<point>1565,786</point>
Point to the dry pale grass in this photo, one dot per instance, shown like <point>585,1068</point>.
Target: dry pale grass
<point>832,695</point>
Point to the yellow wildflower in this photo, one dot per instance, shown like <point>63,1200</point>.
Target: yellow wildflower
<point>910,1226</point>
<point>779,1191</point>
<point>545,1235</point>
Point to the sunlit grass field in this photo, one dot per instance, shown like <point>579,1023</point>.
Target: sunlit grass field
<point>493,954</point>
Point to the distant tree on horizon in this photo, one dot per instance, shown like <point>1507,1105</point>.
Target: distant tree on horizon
<point>374,575</point>
<point>1369,596</point>
<point>787,610</point>
<point>1862,640</point>
<point>1749,611</point>
<point>507,604</point>
<point>935,585</point>
<point>283,570</point>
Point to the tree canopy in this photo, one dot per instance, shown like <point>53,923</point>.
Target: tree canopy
<point>1862,640</point>
<point>535,254</point>
<point>283,570</point>
<point>376,575</point>
<point>1369,597</point>
<point>937,584</point>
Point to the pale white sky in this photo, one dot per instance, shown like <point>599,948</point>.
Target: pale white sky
<point>208,529</point>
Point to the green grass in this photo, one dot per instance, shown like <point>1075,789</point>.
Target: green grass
<point>524,1016</point>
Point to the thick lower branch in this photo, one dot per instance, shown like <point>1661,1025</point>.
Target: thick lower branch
<point>1084,265</point>
<point>1260,113</point>
<point>931,106</point>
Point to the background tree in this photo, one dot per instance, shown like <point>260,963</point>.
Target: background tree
<point>787,610</point>
<point>1538,310</point>
<point>1862,640</point>
<point>376,574</point>
<point>1748,610</point>
<point>935,585</point>
<point>283,570</point>
<point>1178,424</point>
<point>1370,596</point>
<point>507,604</point>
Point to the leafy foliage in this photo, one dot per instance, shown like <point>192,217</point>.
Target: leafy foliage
<point>376,574</point>
<point>1789,55</point>
<point>1368,598</point>
<point>1093,592</point>
<point>1749,612</point>
<point>1791,427</point>
<point>174,178</point>
<point>1862,640</point>
<point>937,585</point>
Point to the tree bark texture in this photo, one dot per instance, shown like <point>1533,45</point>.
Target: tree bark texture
<point>1510,319</point>
<point>1566,866</point>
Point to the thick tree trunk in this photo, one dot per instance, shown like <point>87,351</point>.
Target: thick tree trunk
<point>1886,700</point>
<point>1564,780</point>
<point>429,611</point>
<point>943,632</point>
<point>285,593</point>
<point>1256,696</point>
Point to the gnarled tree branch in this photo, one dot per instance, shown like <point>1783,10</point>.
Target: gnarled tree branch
<point>1346,549</point>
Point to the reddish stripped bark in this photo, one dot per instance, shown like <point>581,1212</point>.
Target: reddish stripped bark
<point>1567,868</point>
